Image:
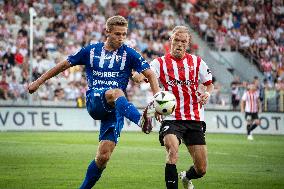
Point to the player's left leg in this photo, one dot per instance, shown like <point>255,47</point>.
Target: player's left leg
<point>255,123</point>
<point>97,166</point>
<point>248,118</point>
<point>117,99</point>
<point>198,169</point>
<point>199,157</point>
<point>196,145</point>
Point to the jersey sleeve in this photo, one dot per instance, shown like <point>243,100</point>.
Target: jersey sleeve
<point>205,73</point>
<point>139,63</point>
<point>79,57</point>
<point>155,67</point>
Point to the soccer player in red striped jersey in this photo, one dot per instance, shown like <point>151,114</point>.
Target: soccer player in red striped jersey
<point>181,73</point>
<point>251,105</point>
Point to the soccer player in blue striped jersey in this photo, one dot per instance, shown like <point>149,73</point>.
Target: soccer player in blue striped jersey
<point>108,68</point>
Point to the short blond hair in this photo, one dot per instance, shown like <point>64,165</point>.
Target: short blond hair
<point>116,21</point>
<point>181,29</point>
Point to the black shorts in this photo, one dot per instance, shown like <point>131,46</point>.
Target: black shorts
<point>251,116</point>
<point>187,131</point>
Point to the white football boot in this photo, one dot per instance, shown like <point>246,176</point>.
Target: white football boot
<point>187,184</point>
<point>250,137</point>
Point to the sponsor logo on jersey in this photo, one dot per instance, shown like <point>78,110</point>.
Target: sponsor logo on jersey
<point>166,128</point>
<point>175,82</point>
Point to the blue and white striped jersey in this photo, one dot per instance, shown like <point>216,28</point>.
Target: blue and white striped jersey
<point>108,69</point>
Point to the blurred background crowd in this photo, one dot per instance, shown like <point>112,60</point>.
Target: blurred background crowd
<point>254,28</point>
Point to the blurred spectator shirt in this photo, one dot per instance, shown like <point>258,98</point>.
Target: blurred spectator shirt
<point>108,69</point>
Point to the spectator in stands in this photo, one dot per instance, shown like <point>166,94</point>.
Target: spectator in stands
<point>59,93</point>
<point>235,92</point>
<point>4,88</point>
<point>227,21</point>
<point>14,88</point>
<point>268,68</point>
<point>10,56</point>
<point>280,68</point>
<point>279,85</point>
<point>244,39</point>
<point>5,66</point>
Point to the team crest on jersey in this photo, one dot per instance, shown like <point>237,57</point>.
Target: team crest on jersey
<point>117,58</point>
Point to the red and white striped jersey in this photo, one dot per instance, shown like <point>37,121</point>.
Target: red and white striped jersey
<point>251,99</point>
<point>182,77</point>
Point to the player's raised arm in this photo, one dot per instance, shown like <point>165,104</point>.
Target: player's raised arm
<point>150,75</point>
<point>60,67</point>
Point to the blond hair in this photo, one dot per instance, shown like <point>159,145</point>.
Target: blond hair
<point>181,29</point>
<point>116,21</point>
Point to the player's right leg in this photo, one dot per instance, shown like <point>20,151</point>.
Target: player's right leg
<point>248,118</point>
<point>109,134</point>
<point>254,124</point>
<point>171,176</point>
<point>170,136</point>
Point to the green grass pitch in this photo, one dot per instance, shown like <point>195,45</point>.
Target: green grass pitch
<point>59,159</point>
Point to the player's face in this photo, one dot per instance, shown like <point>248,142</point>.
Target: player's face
<point>179,44</point>
<point>116,36</point>
<point>252,87</point>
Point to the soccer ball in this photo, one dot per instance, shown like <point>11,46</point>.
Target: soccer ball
<point>164,102</point>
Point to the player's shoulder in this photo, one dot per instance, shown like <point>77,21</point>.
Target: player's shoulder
<point>158,60</point>
<point>94,45</point>
<point>194,56</point>
<point>129,49</point>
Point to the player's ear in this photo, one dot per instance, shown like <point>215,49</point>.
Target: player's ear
<point>107,32</point>
<point>170,39</point>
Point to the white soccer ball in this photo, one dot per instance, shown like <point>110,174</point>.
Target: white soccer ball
<point>164,102</point>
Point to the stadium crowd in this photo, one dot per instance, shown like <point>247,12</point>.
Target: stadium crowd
<point>62,27</point>
<point>255,28</point>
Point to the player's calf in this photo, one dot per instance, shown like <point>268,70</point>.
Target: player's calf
<point>195,174</point>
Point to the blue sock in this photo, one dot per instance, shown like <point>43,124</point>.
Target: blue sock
<point>92,176</point>
<point>127,109</point>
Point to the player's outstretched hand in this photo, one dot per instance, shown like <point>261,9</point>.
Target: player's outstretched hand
<point>158,117</point>
<point>32,87</point>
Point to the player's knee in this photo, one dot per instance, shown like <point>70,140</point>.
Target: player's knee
<point>113,94</point>
<point>172,156</point>
<point>102,159</point>
<point>117,93</point>
<point>257,122</point>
